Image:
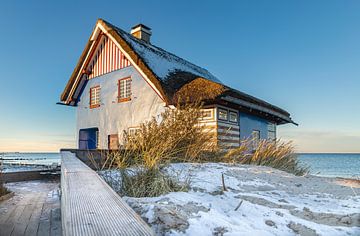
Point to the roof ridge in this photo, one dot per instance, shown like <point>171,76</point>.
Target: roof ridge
<point>157,48</point>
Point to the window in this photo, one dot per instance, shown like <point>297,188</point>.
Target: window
<point>223,114</point>
<point>133,131</point>
<point>233,116</point>
<point>255,138</point>
<point>95,97</point>
<point>272,131</point>
<point>124,90</point>
<point>113,142</point>
<point>207,114</point>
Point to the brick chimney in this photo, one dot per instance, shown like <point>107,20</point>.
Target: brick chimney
<point>142,32</point>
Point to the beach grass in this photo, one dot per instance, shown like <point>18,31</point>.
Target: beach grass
<point>3,189</point>
<point>178,137</point>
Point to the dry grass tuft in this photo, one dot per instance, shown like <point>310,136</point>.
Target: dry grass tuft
<point>178,137</point>
<point>279,155</point>
<point>147,182</point>
<point>3,189</point>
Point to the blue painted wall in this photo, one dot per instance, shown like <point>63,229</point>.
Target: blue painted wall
<point>248,123</point>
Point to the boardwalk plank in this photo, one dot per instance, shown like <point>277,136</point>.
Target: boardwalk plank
<point>31,207</point>
<point>23,220</point>
<point>44,224</point>
<point>90,207</point>
<point>6,229</point>
<point>34,221</point>
<point>55,222</point>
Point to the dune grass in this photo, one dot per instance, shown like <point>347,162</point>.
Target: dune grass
<point>3,189</point>
<point>178,137</point>
<point>276,154</point>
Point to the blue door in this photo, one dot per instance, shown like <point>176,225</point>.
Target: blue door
<point>88,138</point>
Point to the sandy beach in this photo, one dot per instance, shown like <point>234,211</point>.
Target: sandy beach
<point>258,201</point>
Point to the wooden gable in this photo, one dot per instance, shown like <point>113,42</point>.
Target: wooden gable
<point>106,57</point>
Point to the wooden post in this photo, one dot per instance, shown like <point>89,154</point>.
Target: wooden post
<point>223,182</point>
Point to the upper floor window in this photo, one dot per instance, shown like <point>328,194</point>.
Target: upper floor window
<point>95,97</point>
<point>223,114</point>
<point>124,90</point>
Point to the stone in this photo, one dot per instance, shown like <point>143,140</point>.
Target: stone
<point>270,223</point>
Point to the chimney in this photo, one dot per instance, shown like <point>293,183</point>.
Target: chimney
<point>142,32</point>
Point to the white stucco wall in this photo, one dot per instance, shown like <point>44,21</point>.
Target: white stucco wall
<point>113,117</point>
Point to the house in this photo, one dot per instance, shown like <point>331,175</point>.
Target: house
<point>122,80</point>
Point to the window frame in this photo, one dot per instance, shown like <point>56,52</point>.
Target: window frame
<point>211,110</point>
<point>134,128</point>
<point>95,105</point>
<point>237,116</point>
<point>271,130</point>
<point>227,114</point>
<point>255,141</point>
<point>124,99</point>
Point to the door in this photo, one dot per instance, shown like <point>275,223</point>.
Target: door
<point>113,142</point>
<point>88,138</point>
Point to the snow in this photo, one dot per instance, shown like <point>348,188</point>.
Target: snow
<point>163,63</point>
<point>273,203</point>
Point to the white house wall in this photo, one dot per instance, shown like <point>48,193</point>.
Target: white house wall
<point>113,117</point>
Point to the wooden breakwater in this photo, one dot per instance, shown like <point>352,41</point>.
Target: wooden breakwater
<point>8,177</point>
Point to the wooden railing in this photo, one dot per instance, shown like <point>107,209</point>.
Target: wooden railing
<point>89,206</point>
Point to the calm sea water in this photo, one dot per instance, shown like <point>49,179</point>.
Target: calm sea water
<point>329,165</point>
<point>28,161</point>
<point>332,164</point>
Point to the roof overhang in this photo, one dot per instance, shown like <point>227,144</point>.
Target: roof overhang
<point>281,118</point>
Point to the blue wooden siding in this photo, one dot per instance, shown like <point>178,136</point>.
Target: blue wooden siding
<point>248,123</point>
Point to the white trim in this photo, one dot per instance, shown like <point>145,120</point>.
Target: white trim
<point>132,62</point>
<point>140,28</point>
<point>211,118</point>
<point>72,91</point>
<point>93,39</point>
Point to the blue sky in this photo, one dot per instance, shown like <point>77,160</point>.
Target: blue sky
<point>300,55</point>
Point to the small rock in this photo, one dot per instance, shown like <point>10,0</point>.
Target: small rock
<point>301,229</point>
<point>346,220</point>
<point>216,192</point>
<point>306,209</point>
<point>283,200</point>
<point>220,231</point>
<point>298,185</point>
<point>279,213</point>
<point>270,223</point>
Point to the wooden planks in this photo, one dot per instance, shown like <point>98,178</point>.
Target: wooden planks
<point>27,212</point>
<point>90,207</point>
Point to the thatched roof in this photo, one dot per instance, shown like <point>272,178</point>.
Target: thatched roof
<point>172,76</point>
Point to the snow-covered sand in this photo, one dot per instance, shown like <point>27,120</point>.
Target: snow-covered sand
<point>258,201</point>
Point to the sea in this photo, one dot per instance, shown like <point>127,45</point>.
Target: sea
<point>321,164</point>
<point>346,165</point>
<point>18,161</point>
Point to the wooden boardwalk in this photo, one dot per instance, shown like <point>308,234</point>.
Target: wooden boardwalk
<point>90,207</point>
<point>34,210</point>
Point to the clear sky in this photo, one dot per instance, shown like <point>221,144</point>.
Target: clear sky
<point>303,56</point>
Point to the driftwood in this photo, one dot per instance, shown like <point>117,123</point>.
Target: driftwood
<point>238,206</point>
